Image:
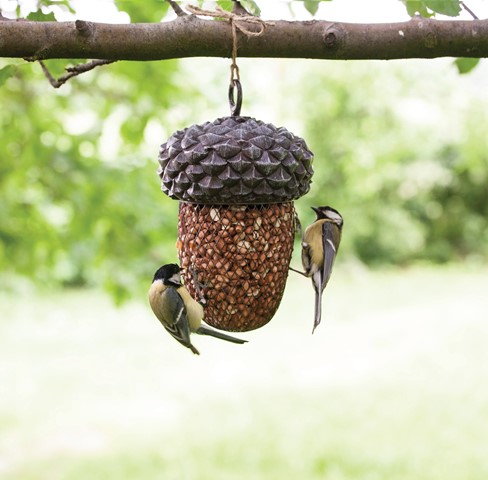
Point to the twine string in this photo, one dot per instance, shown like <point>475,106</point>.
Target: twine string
<point>243,23</point>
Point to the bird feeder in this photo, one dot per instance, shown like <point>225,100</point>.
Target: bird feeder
<point>236,179</point>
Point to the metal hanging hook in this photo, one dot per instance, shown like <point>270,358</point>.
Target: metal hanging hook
<point>235,105</point>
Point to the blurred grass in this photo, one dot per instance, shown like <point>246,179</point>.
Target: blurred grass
<point>391,386</point>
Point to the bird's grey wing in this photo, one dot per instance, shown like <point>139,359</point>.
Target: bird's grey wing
<point>329,243</point>
<point>173,312</point>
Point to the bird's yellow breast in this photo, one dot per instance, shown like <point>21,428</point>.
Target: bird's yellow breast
<point>154,294</point>
<point>313,237</point>
<point>194,311</point>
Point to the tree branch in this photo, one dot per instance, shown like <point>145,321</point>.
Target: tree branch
<point>190,36</point>
<point>469,10</point>
<point>72,71</point>
<point>176,8</point>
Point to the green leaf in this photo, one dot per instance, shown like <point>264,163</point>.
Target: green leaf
<point>226,5</point>
<point>452,8</point>
<point>5,73</point>
<point>428,8</point>
<point>417,7</point>
<point>465,65</point>
<point>141,12</point>
<point>311,5</point>
<point>249,5</point>
<point>252,7</point>
<point>40,16</point>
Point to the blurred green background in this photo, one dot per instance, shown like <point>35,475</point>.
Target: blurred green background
<point>391,386</point>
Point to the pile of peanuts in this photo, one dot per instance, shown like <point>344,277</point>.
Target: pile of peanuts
<point>239,255</point>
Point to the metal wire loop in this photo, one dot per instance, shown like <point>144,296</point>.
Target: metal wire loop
<point>235,105</point>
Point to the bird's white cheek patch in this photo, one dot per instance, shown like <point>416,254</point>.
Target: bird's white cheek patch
<point>334,216</point>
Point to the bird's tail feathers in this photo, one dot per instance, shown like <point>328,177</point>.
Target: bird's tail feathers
<point>181,338</point>
<point>203,330</point>
<point>318,301</point>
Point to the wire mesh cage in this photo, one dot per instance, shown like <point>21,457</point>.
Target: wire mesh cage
<point>239,255</point>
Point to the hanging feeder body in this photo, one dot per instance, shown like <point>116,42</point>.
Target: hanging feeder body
<point>236,179</point>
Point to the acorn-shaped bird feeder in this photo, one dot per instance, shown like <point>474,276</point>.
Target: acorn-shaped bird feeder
<point>236,179</point>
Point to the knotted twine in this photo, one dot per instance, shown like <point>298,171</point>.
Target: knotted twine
<point>237,22</point>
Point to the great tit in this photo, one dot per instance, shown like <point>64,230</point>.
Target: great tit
<point>178,312</point>
<point>320,244</point>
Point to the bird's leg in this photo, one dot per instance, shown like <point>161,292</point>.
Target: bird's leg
<point>298,228</point>
<point>198,286</point>
<point>298,271</point>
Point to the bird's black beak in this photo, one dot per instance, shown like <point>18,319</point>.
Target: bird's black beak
<point>315,209</point>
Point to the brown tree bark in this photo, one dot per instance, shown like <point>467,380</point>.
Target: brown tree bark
<point>191,36</point>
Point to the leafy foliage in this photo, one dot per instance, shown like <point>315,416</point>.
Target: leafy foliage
<point>5,73</point>
<point>39,10</point>
<point>140,12</point>
<point>409,178</point>
<point>428,8</point>
<point>79,191</point>
<point>80,197</point>
<point>250,5</point>
<point>311,5</point>
<point>40,16</point>
<point>224,4</point>
<point>465,65</point>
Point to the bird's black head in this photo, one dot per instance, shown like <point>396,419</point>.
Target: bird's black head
<point>169,274</point>
<point>329,213</point>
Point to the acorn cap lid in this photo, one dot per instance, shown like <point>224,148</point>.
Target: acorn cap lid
<point>235,160</point>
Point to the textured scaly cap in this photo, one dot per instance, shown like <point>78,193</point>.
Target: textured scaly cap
<point>235,160</point>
